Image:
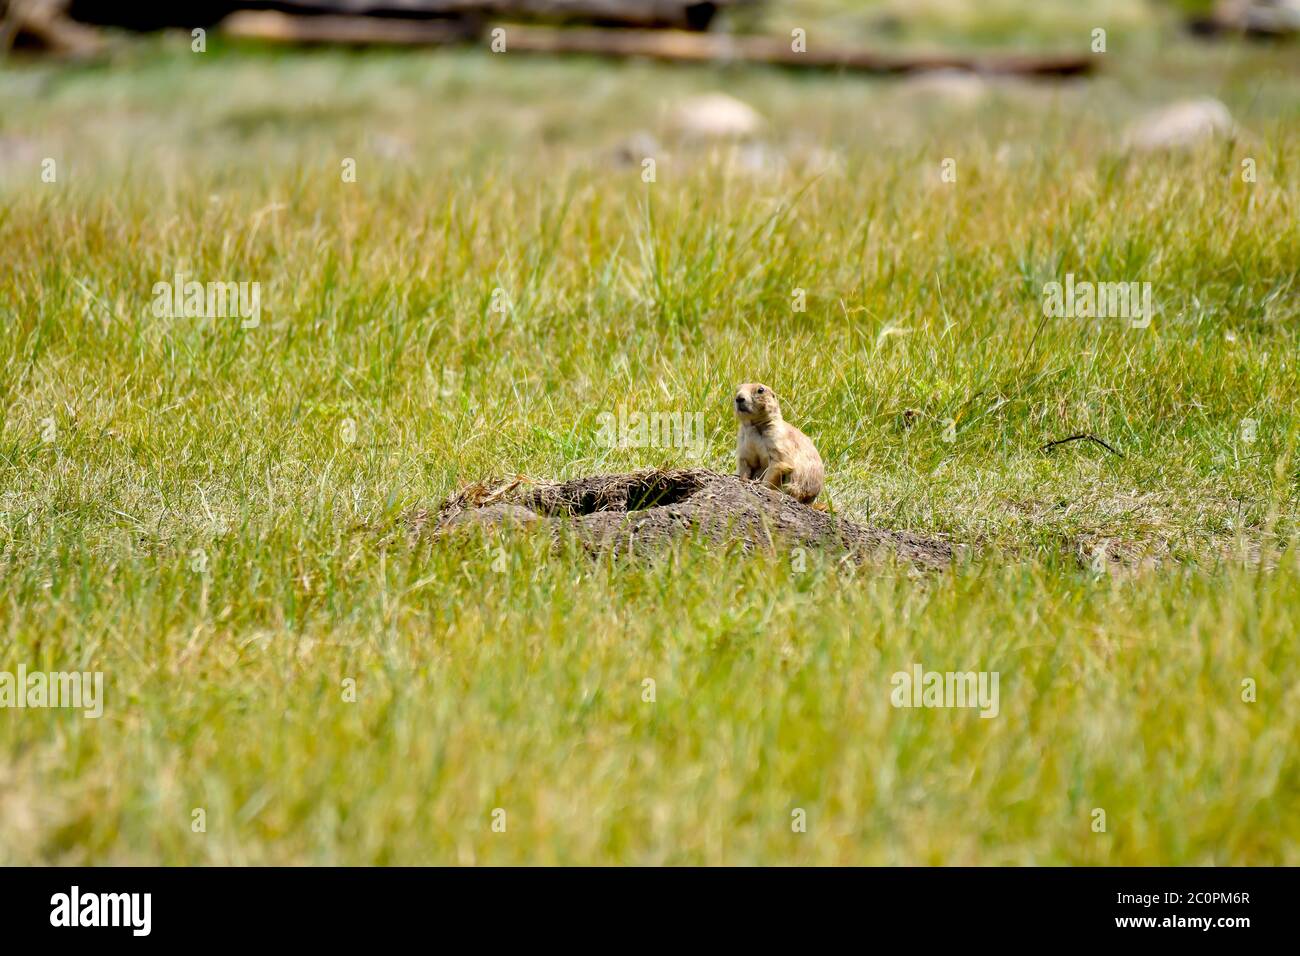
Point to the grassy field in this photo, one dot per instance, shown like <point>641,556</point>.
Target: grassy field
<point>212,515</point>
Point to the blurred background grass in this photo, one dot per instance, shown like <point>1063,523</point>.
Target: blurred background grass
<point>181,443</point>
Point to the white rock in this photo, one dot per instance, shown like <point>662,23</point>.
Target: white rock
<point>715,116</point>
<point>1264,16</point>
<point>959,87</point>
<point>1181,125</point>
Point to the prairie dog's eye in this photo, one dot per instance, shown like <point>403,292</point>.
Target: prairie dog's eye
<point>758,391</point>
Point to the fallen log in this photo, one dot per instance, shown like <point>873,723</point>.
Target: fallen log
<point>680,47</point>
<point>348,31</point>
<point>43,26</point>
<point>666,14</point>
<point>670,46</point>
<point>653,14</point>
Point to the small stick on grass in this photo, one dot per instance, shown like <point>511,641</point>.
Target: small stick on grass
<point>1080,437</point>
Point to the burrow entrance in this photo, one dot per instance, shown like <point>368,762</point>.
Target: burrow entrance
<point>640,512</point>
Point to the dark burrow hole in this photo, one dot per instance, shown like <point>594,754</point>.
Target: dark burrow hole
<point>656,493</point>
<point>633,495</point>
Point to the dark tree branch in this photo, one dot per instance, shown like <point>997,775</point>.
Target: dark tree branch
<point>1080,437</point>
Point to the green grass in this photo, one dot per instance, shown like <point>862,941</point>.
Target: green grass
<point>180,444</point>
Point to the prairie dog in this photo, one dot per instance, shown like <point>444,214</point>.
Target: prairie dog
<point>772,450</point>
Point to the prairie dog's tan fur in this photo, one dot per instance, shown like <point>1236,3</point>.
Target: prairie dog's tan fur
<point>772,450</point>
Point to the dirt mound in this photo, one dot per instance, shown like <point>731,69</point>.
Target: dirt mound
<point>642,511</point>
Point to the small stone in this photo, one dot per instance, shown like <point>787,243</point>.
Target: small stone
<point>1181,125</point>
<point>958,87</point>
<point>715,116</point>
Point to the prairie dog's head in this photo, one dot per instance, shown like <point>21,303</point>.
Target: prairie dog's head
<point>756,404</point>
